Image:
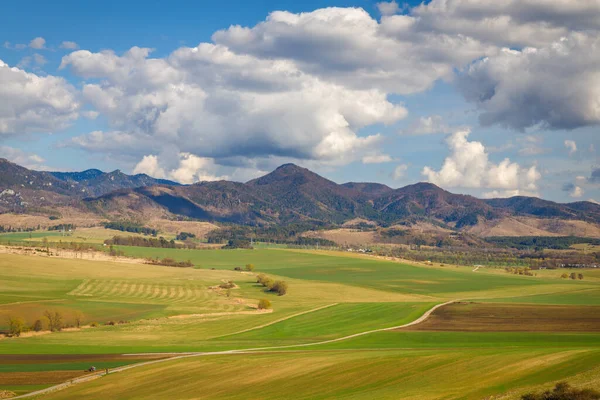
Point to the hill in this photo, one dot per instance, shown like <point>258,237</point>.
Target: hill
<point>23,189</point>
<point>290,194</point>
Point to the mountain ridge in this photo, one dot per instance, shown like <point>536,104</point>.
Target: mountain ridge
<point>289,194</point>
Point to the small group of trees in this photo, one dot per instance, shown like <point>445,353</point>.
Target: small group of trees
<point>142,242</point>
<point>248,267</point>
<point>519,271</point>
<point>572,275</point>
<point>227,285</point>
<point>169,262</point>
<point>62,227</point>
<point>54,322</point>
<point>564,391</point>
<point>183,236</point>
<point>279,287</point>
<point>132,227</point>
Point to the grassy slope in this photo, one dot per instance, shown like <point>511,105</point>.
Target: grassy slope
<point>372,294</point>
<point>404,374</point>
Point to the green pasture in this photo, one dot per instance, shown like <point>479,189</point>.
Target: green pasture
<point>331,295</point>
<point>407,374</point>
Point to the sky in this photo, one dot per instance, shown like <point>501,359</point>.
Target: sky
<point>488,98</point>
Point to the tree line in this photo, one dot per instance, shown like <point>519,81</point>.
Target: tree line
<point>132,227</point>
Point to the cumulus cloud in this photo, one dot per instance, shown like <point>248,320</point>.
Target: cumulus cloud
<point>37,60</point>
<point>553,87</point>
<point>399,171</point>
<point>38,43</point>
<point>32,103</point>
<point>428,125</point>
<point>510,23</point>
<point>571,146</point>
<point>374,158</point>
<point>574,190</point>
<point>349,47</point>
<point>69,45</point>
<point>26,159</point>
<point>190,169</point>
<point>468,166</point>
<point>215,103</point>
<point>388,8</point>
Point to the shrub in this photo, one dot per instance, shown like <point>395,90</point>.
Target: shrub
<point>16,325</point>
<point>573,275</point>
<point>249,267</point>
<point>580,276</point>
<point>227,285</point>
<point>563,391</point>
<point>111,323</point>
<point>37,326</point>
<point>237,269</point>
<point>279,287</point>
<point>260,278</point>
<point>564,276</point>
<point>94,324</point>
<point>264,304</point>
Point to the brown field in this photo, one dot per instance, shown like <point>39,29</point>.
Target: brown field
<point>478,317</point>
<point>200,229</point>
<point>526,226</point>
<point>344,236</point>
<point>69,216</point>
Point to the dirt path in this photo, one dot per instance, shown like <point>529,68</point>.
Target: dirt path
<point>96,375</point>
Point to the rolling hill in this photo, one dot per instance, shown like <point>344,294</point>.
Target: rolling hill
<point>289,194</point>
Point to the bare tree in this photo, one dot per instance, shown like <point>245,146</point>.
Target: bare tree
<point>55,320</point>
<point>78,318</point>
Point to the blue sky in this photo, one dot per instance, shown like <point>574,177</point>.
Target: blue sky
<point>388,93</point>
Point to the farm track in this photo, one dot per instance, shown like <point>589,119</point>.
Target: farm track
<point>179,356</point>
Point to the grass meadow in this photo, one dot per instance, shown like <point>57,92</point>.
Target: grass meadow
<point>331,295</point>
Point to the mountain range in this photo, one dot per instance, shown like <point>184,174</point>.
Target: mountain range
<point>289,194</point>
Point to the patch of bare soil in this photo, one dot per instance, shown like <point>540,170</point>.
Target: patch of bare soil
<point>219,314</point>
<point>200,229</point>
<point>344,236</point>
<point>69,216</point>
<point>7,394</point>
<point>482,317</point>
<point>65,253</point>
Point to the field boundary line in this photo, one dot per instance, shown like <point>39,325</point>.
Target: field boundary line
<point>224,352</point>
<point>277,321</point>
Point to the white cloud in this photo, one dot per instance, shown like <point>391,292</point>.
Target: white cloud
<point>215,103</point>
<point>428,125</point>
<point>190,169</point>
<point>468,166</point>
<point>553,87</point>
<point>376,158</point>
<point>38,43</point>
<point>399,171</point>
<point>32,103</point>
<point>69,45</point>
<point>388,8</point>
<point>511,23</point>
<point>577,192</point>
<point>571,146</point>
<point>25,159</point>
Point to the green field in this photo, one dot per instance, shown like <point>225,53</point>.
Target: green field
<point>331,295</point>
